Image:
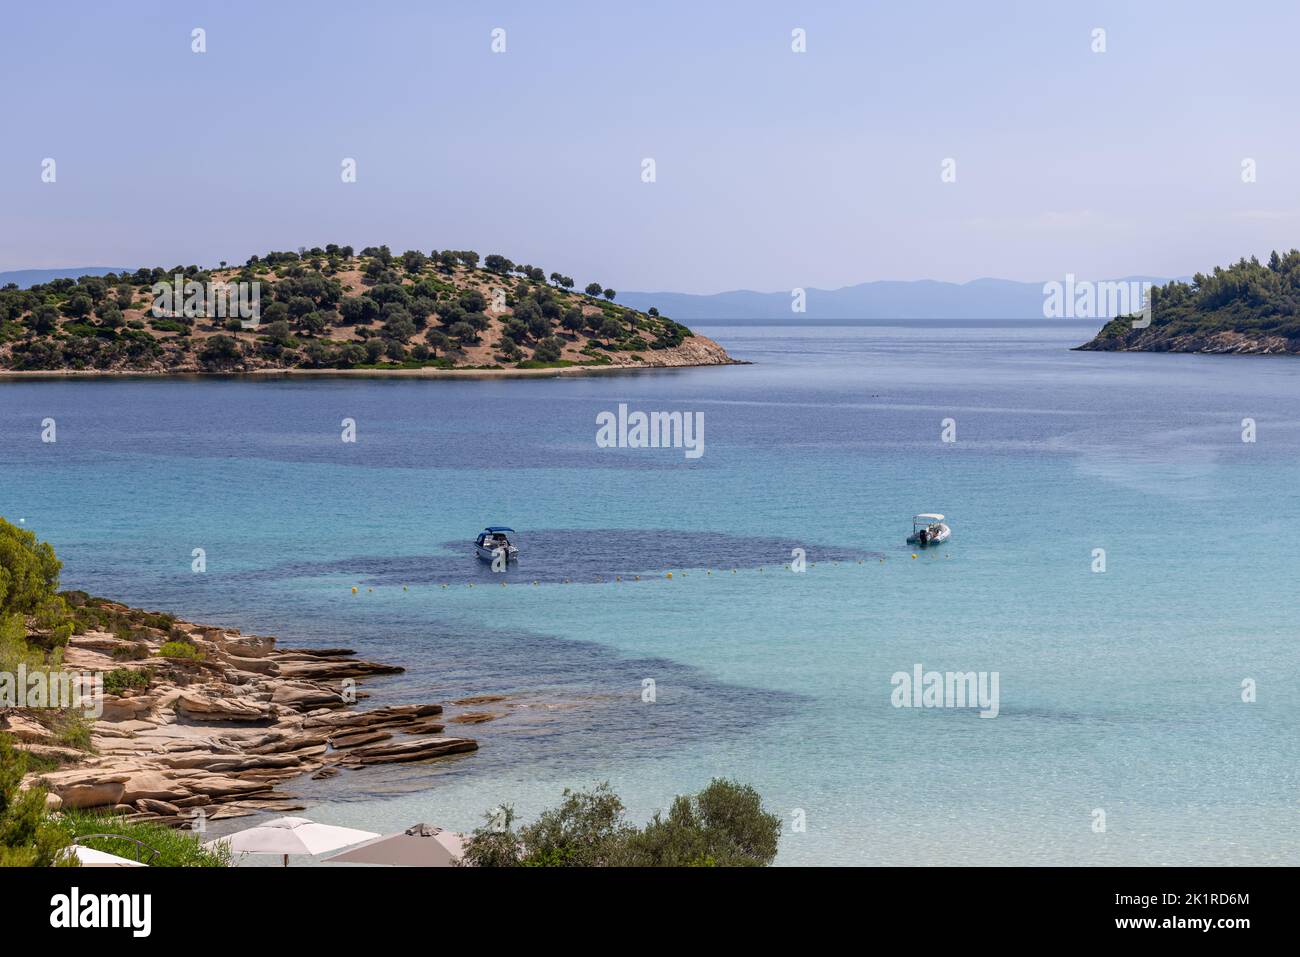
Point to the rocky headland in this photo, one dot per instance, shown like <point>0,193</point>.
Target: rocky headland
<point>1248,308</point>
<point>221,730</point>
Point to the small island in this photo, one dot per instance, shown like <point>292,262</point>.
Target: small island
<point>1248,308</point>
<point>332,310</point>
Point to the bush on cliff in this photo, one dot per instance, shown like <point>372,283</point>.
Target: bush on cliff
<point>122,679</point>
<point>724,825</point>
<point>180,649</point>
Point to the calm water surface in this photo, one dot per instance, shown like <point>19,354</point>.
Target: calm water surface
<point>1119,691</point>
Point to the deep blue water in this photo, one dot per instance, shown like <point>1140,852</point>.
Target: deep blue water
<point>1119,691</point>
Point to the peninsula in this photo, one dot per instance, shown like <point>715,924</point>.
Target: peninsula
<point>1248,308</point>
<point>333,310</point>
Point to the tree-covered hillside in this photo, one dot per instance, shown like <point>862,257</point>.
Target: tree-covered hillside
<point>331,308</point>
<point>1247,307</point>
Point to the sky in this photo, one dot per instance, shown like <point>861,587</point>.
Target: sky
<point>772,169</point>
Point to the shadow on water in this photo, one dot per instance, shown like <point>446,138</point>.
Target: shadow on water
<point>571,705</point>
<point>560,555</point>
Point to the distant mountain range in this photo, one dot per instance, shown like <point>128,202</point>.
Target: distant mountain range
<point>916,300</point>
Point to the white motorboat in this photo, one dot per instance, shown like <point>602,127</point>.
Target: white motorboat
<point>928,529</point>
<point>494,541</point>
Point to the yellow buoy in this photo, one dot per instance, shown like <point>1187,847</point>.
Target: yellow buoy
<point>354,589</point>
<point>914,556</point>
<point>670,575</point>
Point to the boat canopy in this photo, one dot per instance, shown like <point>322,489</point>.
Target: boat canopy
<point>927,517</point>
<point>502,528</point>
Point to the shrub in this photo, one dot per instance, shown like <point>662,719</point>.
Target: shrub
<point>725,825</point>
<point>548,350</point>
<point>122,679</point>
<point>722,826</point>
<point>27,837</point>
<point>169,325</point>
<point>610,329</point>
<point>72,729</point>
<point>219,351</point>
<point>180,649</point>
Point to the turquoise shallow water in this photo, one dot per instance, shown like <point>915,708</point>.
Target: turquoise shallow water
<point>1118,691</point>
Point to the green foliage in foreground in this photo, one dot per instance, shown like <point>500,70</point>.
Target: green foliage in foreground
<point>725,825</point>
<point>1247,297</point>
<point>176,848</point>
<point>32,837</point>
<point>28,838</point>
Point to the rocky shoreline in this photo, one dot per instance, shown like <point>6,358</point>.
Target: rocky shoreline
<point>1155,339</point>
<point>218,734</point>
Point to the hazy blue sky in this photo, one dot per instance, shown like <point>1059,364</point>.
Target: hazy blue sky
<point>774,169</point>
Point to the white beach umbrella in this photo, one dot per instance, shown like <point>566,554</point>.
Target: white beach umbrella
<point>292,835</point>
<point>421,845</point>
<point>90,857</point>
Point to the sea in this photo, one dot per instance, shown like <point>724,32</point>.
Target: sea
<point>1122,569</point>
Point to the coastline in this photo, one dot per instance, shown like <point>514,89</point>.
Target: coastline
<point>1221,343</point>
<point>424,373</point>
<point>215,736</point>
